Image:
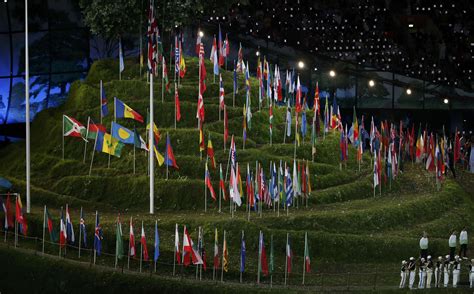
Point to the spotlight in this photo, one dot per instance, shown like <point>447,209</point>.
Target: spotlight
<point>446,100</point>
<point>371,83</point>
<point>201,34</point>
<point>332,73</point>
<point>301,64</point>
<point>257,53</point>
<point>410,25</point>
<point>408,91</point>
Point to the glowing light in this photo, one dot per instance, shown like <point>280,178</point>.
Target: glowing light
<point>371,83</point>
<point>408,91</point>
<point>332,73</point>
<point>300,64</point>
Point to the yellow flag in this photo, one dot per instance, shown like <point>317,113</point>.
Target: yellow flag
<point>159,157</point>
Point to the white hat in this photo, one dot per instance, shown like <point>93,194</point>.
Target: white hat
<point>404,261</point>
<point>440,257</point>
<point>412,258</point>
<point>456,257</point>
<point>447,256</point>
<point>472,260</point>
<point>429,256</point>
<point>422,259</point>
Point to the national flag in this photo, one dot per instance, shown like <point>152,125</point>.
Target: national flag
<point>177,52</point>
<point>169,156</point>
<point>221,48</point>
<point>298,96</point>
<point>343,145</point>
<point>457,146</point>
<point>93,129</point>
<point>304,123</point>
<point>118,240</point>
<point>9,222</point>
<point>249,186</point>
<point>202,70</point>
<point>316,104</point>
<point>307,259</point>
<point>270,119</point>
<point>226,125</point>
<point>153,37</point>
<point>272,257</point>
<point>201,249</point>
<point>177,250</point>
<point>326,115</point>
<point>355,127</point>
<point>376,171</point>
<point>214,58</point>
<point>202,146</point>
<point>73,128</point>
<point>419,145</point>
<point>107,144</point>
<point>244,123</point>
<point>207,179</point>
<point>221,183</point>
<point>157,243</point>
<point>98,235</point>
<point>121,65</point>
<point>104,110</point>
<point>221,92</point>
<point>131,239</point>
<point>20,218</point>
<point>226,46</point>
<point>62,231</point>
<point>82,227</point>
<point>216,250</point>
<point>143,242</point>
<point>198,41</point>
<point>240,59</point>
<point>289,188</point>
<point>69,227</point>
<point>288,120</point>
<point>225,255</point>
<point>48,221</point>
<point>262,255</point>
<point>138,141</point>
<point>176,103</point>
<point>289,257</point>
<point>234,79</point>
<point>156,132</point>
<point>124,111</point>
<point>182,63</point>
<point>243,253</point>
<point>190,254</point>
<point>210,152</point>
<point>159,156</point>
<point>122,134</point>
<point>165,75</point>
<point>277,84</point>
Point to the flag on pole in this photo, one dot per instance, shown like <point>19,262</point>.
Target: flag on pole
<point>289,257</point>
<point>289,188</point>
<point>243,252</point>
<point>104,110</point>
<point>234,190</point>
<point>20,218</point>
<point>48,225</point>
<point>119,240</point>
<point>272,262</point>
<point>62,231</point>
<point>376,171</point>
<point>288,120</point>
<point>176,101</point>
<point>207,179</point>
<point>143,242</point>
<point>122,110</point>
<point>82,227</point>
<point>262,256</point>
<point>122,134</point>
<point>98,236</point>
<point>165,76</point>
<point>9,222</point>
<point>190,254</point>
<point>122,65</point>
<point>202,147</point>
<point>221,48</point>
<point>240,59</point>
<point>225,255</point>
<point>307,260</point>
<point>355,129</point>
<point>107,144</point>
<point>157,243</point>
<point>214,58</point>
<point>210,153</point>
<point>221,183</point>
<point>198,40</point>
<point>169,156</point>
<point>216,250</point>
<point>131,239</point>
<point>182,63</point>
<point>298,96</point>
<point>221,92</point>
<point>176,55</point>
<point>139,142</point>
<point>69,227</point>
<point>176,246</point>
<point>73,128</point>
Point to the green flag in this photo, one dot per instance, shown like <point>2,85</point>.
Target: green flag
<point>119,242</point>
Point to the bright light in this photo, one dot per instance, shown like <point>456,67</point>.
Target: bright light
<point>371,83</point>
<point>201,34</point>
<point>257,53</point>
<point>300,64</point>
<point>410,25</point>
<point>446,100</point>
<point>332,73</point>
<point>408,91</point>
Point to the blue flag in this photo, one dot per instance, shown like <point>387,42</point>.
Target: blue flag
<point>157,243</point>
<point>122,65</point>
<point>98,235</point>
<point>289,189</point>
<point>83,229</point>
<point>303,124</point>
<point>123,134</point>
<point>242,255</point>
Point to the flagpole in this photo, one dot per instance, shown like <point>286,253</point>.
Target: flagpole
<point>163,80</point>
<point>95,250</point>
<point>86,141</point>
<point>44,225</point>
<point>248,196</point>
<point>156,226</point>
<point>205,187</point>
<point>279,192</point>
<point>286,258</point>
<point>80,236</point>
<point>202,242</point>
<point>27,110</point>
<point>304,255</point>
<point>120,51</point>
<point>151,145</point>
<point>167,157</point>
<point>63,138</point>
<point>199,238</point>
<point>134,154</point>
<point>174,252</point>
<point>175,109</point>
<point>100,101</point>
<point>241,257</point>
<point>233,92</point>
<point>129,247</point>
<point>141,252</point>
<point>223,253</point>
<point>60,231</point>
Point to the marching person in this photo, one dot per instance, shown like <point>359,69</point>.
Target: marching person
<point>447,269</point>
<point>452,245</point>
<point>403,274</point>
<point>421,273</point>
<point>456,271</point>
<point>412,270</point>
<point>438,271</point>
<point>429,271</point>
<point>471,274</point>
<point>463,242</point>
<point>424,245</point>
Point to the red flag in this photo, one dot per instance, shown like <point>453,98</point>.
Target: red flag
<point>263,256</point>
<point>9,215</point>
<point>169,155</point>
<point>143,241</point>
<point>457,146</point>
<point>298,96</point>
<point>207,178</point>
<point>189,252</point>
<point>19,216</point>
<point>176,101</point>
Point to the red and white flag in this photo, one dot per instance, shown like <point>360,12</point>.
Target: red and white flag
<point>144,248</point>
<point>190,254</point>
<point>132,239</point>
<point>176,246</point>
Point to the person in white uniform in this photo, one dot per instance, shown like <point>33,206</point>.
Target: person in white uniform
<point>412,271</point>
<point>463,239</point>
<point>429,271</point>
<point>403,274</point>
<point>452,245</point>
<point>456,271</point>
<point>447,271</point>
<point>438,271</point>
<point>424,245</point>
<point>421,273</point>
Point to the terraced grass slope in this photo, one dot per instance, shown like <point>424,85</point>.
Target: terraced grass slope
<point>346,225</point>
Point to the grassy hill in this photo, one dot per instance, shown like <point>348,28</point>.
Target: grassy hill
<point>349,230</point>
